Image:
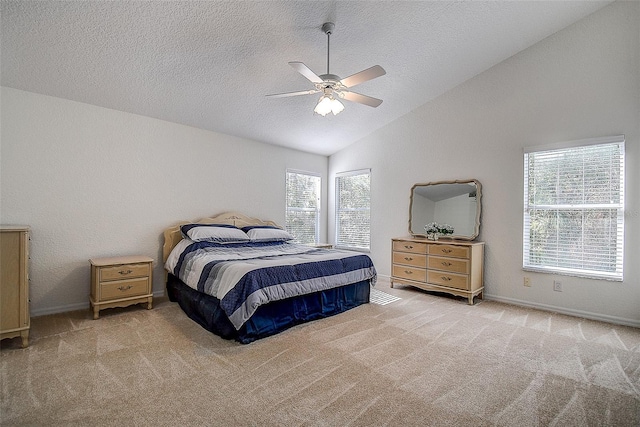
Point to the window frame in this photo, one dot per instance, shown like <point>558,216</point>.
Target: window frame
<point>318,203</point>
<point>618,206</point>
<point>338,210</point>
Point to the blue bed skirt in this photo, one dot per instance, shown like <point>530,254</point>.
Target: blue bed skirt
<point>271,318</point>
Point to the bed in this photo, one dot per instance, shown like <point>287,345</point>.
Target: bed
<point>242,278</point>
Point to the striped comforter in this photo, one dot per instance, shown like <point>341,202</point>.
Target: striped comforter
<point>245,276</point>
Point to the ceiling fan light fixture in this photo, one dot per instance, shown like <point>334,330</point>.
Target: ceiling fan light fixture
<point>336,106</point>
<point>328,104</point>
<point>324,106</point>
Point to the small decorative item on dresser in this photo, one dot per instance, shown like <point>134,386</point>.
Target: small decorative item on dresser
<point>434,230</point>
<point>120,282</point>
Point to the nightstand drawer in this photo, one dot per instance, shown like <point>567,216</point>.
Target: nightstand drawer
<point>125,271</point>
<point>124,288</point>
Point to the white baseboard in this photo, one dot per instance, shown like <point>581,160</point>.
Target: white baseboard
<point>75,307</point>
<point>546,307</point>
<point>384,278</point>
<point>568,311</point>
<point>60,309</point>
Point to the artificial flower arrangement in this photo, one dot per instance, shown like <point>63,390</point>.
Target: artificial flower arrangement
<point>434,230</point>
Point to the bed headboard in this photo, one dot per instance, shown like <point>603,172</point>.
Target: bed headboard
<point>173,235</point>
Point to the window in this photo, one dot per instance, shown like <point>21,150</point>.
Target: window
<point>302,217</point>
<point>353,210</point>
<point>574,209</point>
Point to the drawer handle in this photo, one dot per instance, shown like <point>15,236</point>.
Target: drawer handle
<point>408,272</point>
<point>445,278</point>
<point>408,258</point>
<point>408,246</point>
<point>447,251</point>
<point>446,264</point>
<point>123,272</point>
<point>125,288</point>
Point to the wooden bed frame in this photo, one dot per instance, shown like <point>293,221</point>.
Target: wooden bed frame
<point>173,235</point>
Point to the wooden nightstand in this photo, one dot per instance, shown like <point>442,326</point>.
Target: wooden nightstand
<point>120,282</point>
<point>323,245</point>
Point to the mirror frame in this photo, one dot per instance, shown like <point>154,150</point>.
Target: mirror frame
<point>478,210</point>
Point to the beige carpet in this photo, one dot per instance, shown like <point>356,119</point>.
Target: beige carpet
<point>418,361</point>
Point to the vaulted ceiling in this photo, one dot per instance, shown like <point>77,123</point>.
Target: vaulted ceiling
<point>209,64</point>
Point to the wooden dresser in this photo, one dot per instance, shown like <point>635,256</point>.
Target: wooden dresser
<point>14,283</point>
<point>451,266</point>
<point>120,282</point>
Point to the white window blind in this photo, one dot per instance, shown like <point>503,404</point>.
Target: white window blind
<point>353,201</point>
<point>574,209</point>
<point>302,216</point>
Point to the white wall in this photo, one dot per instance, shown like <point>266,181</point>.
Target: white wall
<point>459,212</point>
<point>422,213</point>
<point>581,82</point>
<point>94,182</point>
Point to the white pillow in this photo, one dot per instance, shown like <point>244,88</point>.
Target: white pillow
<point>268,234</point>
<point>217,233</point>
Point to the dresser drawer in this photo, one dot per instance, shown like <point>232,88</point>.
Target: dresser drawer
<point>452,280</point>
<point>124,288</point>
<point>403,272</point>
<point>125,271</point>
<point>449,250</point>
<point>454,265</point>
<point>407,258</point>
<point>413,247</point>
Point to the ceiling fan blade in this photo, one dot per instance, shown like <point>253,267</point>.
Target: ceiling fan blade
<point>306,71</point>
<point>363,76</point>
<point>362,99</point>
<point>286,94</point>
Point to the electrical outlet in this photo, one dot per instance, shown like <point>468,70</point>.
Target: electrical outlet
<point>527,282</point>
<point>557,286</point>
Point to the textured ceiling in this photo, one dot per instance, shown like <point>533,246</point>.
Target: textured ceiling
<point>210,64</point>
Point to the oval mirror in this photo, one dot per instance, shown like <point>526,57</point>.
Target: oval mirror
<point>456,203</point>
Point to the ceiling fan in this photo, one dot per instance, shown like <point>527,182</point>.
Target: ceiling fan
<point>332,86</point>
